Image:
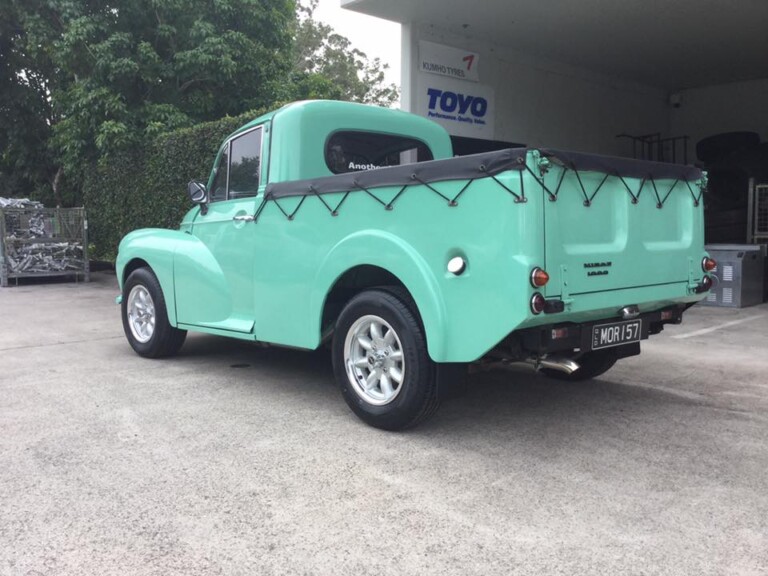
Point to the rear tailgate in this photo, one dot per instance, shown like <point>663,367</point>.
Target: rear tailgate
<point>614,223</point>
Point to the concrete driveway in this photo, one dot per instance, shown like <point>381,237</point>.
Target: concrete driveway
<point>233,459</point>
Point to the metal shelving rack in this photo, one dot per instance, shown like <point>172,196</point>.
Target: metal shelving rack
<point>758,214</point>
<point>39,242</point>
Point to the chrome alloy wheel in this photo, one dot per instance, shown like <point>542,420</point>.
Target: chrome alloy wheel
<point>141,314</point>
<point>373,356</point>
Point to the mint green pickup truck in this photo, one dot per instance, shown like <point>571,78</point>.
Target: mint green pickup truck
<point>355,225</point>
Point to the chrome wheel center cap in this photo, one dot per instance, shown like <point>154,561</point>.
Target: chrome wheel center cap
<point>377,359</point>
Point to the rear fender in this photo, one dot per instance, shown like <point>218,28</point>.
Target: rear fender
<point>390,252</point>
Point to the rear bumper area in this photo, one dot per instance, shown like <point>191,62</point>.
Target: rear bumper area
<point>569,336</point>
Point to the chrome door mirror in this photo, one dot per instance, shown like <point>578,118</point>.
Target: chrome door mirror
<point>197,192</point>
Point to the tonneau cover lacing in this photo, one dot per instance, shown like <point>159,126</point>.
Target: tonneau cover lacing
<point>491,165</point>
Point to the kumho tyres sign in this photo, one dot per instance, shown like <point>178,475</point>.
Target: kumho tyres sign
<point>448,61</point>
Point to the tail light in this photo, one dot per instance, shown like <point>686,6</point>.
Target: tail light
<point>708,264</point>
<point>704,285</point>
<point>539,277</point>
<point>538,302</point>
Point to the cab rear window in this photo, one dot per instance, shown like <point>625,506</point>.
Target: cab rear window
<point>355,151</point>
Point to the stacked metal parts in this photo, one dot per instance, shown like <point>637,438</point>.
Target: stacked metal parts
<point>37,241</point>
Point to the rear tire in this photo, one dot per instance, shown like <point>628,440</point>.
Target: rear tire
<point>591,365</point>
<point>145,317</point>
<point>381,363</point>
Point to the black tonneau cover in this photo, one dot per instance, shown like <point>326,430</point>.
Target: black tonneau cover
<point>624,167</point>
<point>477,166</point>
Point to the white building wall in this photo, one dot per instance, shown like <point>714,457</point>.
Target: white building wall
<point>543,103</point>
<point>723,108</point>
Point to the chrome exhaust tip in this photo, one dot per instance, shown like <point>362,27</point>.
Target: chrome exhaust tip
<point>555,363</point>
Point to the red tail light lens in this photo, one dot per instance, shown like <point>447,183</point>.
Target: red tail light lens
<point>706,282</point>
<point>707,264</point>
<point>537,303</point>
<point>539,277</point>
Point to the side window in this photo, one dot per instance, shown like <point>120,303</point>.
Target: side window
<point>219,187</point>
<point>244,169</point>
<point>352,151</point>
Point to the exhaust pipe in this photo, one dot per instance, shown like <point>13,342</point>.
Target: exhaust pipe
<point>554,363</point>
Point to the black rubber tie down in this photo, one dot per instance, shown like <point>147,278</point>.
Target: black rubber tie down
<point>261,207</point>
<point>454,200</point>
<point>371,194</point>
<point>696,200</point>
<point>428,185</point>
<point>587,201</point>
<point>400,193</point>
<point>518,197</point>
<point>552,196</point>
<point>320,197</point>
<point>295,210</point>
<point>635,198</point>
<point>669,191</point>
<point>659,203</point>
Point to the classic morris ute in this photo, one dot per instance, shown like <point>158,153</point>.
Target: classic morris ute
<point>355,225</point>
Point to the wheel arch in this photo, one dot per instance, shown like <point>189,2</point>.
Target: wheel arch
<point>349,284</point>
<point>165,278</point>
<point>154,249</point>
<point>131,265</point>
<point>376,258</point>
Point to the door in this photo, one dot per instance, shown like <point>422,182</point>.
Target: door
<point>214,269</point>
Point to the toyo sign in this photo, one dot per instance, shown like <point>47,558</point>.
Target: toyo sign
<point>462,108</point>
<point>449,102</point>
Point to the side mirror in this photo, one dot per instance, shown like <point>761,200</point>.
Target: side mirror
<point>197,192</point>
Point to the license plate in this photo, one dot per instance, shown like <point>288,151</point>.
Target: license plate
<point>616,334</point>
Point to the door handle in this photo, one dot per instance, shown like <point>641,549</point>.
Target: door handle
<point>244,218</point>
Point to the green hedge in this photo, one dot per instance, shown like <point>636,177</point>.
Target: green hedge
<point>148,188</point>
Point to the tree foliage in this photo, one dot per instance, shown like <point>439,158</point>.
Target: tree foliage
<point>327,66</point>
<point>85,83</point>
<point>152,65</point>
<point>98,76</point>
<point>28,76</point>
<point>146,187</point>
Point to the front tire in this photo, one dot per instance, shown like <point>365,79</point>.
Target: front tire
<point>145,317</point>
<point>381,363</point>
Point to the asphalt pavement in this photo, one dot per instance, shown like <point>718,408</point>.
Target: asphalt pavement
<point>236,459</point>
